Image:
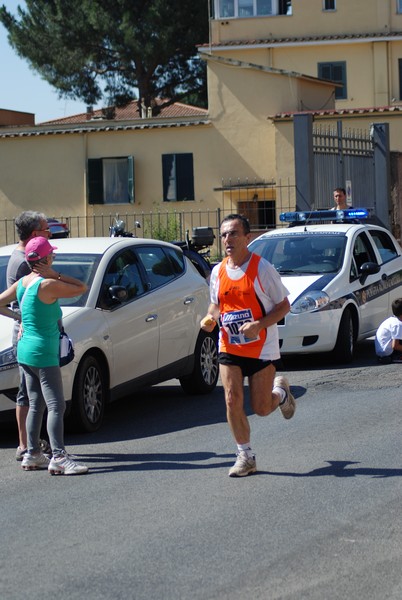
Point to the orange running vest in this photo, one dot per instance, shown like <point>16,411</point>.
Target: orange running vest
<point>238,303</point>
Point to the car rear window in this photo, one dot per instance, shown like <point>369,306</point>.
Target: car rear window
<point>160,266</point>
<point>384,244</point>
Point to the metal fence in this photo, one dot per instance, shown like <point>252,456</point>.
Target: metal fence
<point>341,157</point>
<point>260,202</point>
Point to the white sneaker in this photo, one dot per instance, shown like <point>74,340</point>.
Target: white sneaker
<point>63,464</point>
<point>33,462</point>
<point>288,407</point>
<point>243,466</point>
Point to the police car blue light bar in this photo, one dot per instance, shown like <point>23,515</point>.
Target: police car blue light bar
<point>324,215</point>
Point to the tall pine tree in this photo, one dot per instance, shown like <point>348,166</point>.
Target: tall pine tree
<point>114,50</point>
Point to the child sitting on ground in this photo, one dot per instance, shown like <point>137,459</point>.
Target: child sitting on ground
<point>388,339</point>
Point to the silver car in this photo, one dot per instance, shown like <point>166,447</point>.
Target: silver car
<point>137,325</point>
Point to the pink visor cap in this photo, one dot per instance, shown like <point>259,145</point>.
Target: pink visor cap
<point>37,248</point>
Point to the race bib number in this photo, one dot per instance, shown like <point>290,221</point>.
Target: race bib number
<point>232,322</point>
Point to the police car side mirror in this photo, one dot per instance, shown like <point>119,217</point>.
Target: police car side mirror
<point>368,268</point>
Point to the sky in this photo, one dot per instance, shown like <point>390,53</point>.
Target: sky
<point>22,89</point>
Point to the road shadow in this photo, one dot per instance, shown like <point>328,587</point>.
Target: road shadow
<point>163,409</point>
<point>186,461</point>
<point>190,461</point>
<point>364,356</point>
<point>340,468</point>
<point>154,411</point>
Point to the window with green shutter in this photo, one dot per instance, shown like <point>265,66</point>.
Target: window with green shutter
<point>335,71</point>
<point>178,177</point>
<point>329,4</point>
<point>111,180</point>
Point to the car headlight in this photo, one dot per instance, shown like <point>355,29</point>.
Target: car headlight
<point>312,300</point>
<point>7,359</point>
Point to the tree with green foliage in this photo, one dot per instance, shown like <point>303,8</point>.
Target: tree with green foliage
<point>106,50</point>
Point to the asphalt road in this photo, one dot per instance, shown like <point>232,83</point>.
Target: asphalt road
<point>157,517</point>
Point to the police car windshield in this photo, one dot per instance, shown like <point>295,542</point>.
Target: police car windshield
<point>301,254</point>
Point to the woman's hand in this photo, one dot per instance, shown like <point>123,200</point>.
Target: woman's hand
<point>45,270</point>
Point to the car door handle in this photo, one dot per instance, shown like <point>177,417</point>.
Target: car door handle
<point>150,318</point>
<point>384,277</point>
<point>188,300</point>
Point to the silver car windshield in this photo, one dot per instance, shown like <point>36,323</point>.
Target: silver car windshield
<point>299,254</point>
<point>81,266</point>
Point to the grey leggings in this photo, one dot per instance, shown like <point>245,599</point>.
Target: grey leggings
<point>45,389</point>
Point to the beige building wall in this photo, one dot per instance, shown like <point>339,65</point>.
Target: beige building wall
<point>377,60</point>
<point>239,116</point>
<point>241,100</point>
<point>361,33</point>
<point>309,19</point>
<point>358,58</point>
<point>48,172</point>
<point>395,53</point>
<point>42,173</point>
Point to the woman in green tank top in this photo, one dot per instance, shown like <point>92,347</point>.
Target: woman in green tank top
<point>38,353</point>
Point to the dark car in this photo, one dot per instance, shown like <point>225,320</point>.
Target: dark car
<point>58,229</point>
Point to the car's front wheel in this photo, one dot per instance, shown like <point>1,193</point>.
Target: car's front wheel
<point>345,343</point>
<point>89,395</point>
<point>205,374</point>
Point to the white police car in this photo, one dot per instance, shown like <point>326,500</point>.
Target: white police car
<point>342,274</point>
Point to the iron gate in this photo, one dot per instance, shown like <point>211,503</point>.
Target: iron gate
<point>343,160</point>
<point>359,162</point>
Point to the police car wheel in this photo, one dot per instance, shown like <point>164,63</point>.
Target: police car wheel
<point>345,343</point>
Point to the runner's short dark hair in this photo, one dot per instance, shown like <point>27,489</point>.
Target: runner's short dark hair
<point>243,220</point>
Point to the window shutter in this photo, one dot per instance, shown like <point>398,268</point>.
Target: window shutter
<point>95,181</point>
<point>185,176</point>
<point>178,177</point>
<point>324,71</point>
<point>335,71</point>
<point>131,179</point>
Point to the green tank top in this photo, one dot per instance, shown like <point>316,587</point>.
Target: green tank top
<point>39,343</point>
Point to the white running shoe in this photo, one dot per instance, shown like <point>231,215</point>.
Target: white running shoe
<point>288,407</point>
<point>33,462</point>
<point>63,464</point>
<point>243,466</point>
